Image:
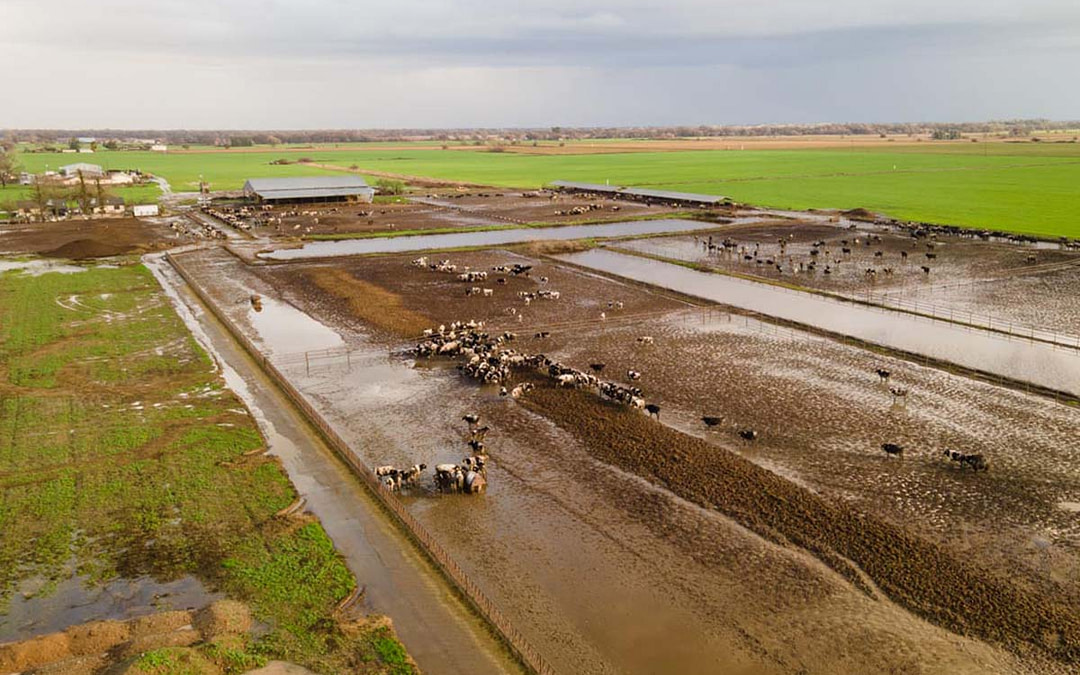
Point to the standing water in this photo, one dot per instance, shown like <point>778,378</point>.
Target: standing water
<point>1037,363</point>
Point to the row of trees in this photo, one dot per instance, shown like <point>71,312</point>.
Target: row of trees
<point>242,138</point>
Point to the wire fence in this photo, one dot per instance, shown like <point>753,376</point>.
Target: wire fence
<point>782,328</point>
<point>898,300</point>
<point>521,648</point>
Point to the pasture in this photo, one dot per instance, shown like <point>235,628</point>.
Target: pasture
<point>123,457</point>
<point>1021,187</point>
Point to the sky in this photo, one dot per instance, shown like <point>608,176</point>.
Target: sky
<point>308,64</point>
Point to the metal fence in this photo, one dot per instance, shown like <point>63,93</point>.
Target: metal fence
<point>782,328</point>
<point>909,302</point>
<point>517,643</point>
<point>895,300</point>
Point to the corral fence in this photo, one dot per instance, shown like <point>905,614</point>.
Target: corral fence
<point>783,328</point>
<point>914,302</point>
<point>898,300</point>
<point>519,646</point>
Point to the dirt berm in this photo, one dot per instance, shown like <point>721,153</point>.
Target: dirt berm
<point>925,578</point>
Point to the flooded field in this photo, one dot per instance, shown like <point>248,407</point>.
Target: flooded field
<point>571,546</point>
<point>1039,364</point>
<point>329,249</point>
<point>986,283</point>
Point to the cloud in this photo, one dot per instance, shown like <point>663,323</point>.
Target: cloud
<point>473,62</point>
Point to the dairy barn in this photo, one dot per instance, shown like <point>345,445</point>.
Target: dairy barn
<point>308,190</point>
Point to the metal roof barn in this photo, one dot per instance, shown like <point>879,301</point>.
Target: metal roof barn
<point>309,189</point>
<point>585,187</point>
<point>640,194</point>
<point>669,195</point>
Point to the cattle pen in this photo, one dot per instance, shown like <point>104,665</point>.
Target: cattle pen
<point>524,652</point>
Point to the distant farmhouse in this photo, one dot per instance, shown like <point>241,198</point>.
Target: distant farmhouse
<point>308,189</point>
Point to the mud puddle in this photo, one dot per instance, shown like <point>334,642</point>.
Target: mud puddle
<point>39,266</point>
<point>283,329</point>
<point>78,599</point>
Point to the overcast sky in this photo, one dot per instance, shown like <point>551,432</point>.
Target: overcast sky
<point>471,63</point>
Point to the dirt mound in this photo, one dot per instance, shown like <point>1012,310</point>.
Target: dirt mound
<point>19,656</point>
<point>952,592</point>
<point>79,648</point>
<point>223,617</point>
<point>96,637</point>
<point>859,214</point>
<point>82,249</point>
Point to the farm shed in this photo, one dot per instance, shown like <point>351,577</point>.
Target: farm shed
<point>308,189</point>
<point>640,194</point>
<point>88,170</point>
<point>574,186</point>
<point>113,206</point>
<point>143,210</point>
<point>671,197</point>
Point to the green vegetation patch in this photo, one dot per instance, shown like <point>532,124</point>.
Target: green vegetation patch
<point>1022,187</point>
<point>122,454</point>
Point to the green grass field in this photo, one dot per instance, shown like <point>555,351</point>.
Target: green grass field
<point>123,454</point>
<point>1022,187</point>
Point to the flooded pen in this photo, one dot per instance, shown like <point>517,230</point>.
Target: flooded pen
<point>1039,364</point>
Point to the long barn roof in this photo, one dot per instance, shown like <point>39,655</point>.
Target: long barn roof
<point>307,187</point>
<point>639,192</point>
<point>677,196</point>
<point>590,187</point>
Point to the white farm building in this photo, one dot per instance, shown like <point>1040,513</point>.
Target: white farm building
<point>308,189</point>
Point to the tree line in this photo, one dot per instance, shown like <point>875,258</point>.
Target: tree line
<point>114,138</point>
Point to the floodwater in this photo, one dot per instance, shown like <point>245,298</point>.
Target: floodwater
<point>420,242</point>
<point>78,600</point>
<point>601,571</point>
<point>39,266</point>
<point>1037,363</point>
<point>287,329</point>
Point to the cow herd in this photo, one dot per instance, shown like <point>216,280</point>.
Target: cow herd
<point>975,460</point>
<point>487,359</point>
<point>829,257</point>
<point>468,476</point>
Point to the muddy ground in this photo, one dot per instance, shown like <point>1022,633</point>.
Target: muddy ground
<point>957,259</point>
<point>962,266</point>
<point>81,239</point>
<point>572,548</point>
<point>444,210</point>
<point>821,412</point>
<point>1045,299</point>
<point>442,298</point>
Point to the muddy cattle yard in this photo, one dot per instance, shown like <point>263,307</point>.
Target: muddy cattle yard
<point>1030,285</point>
<point>436,211</point>
<point>743,515</point>
<point>898,555</point>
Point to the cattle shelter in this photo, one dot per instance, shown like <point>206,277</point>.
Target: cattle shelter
<point>666,197</point>
<point>308,189</point>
